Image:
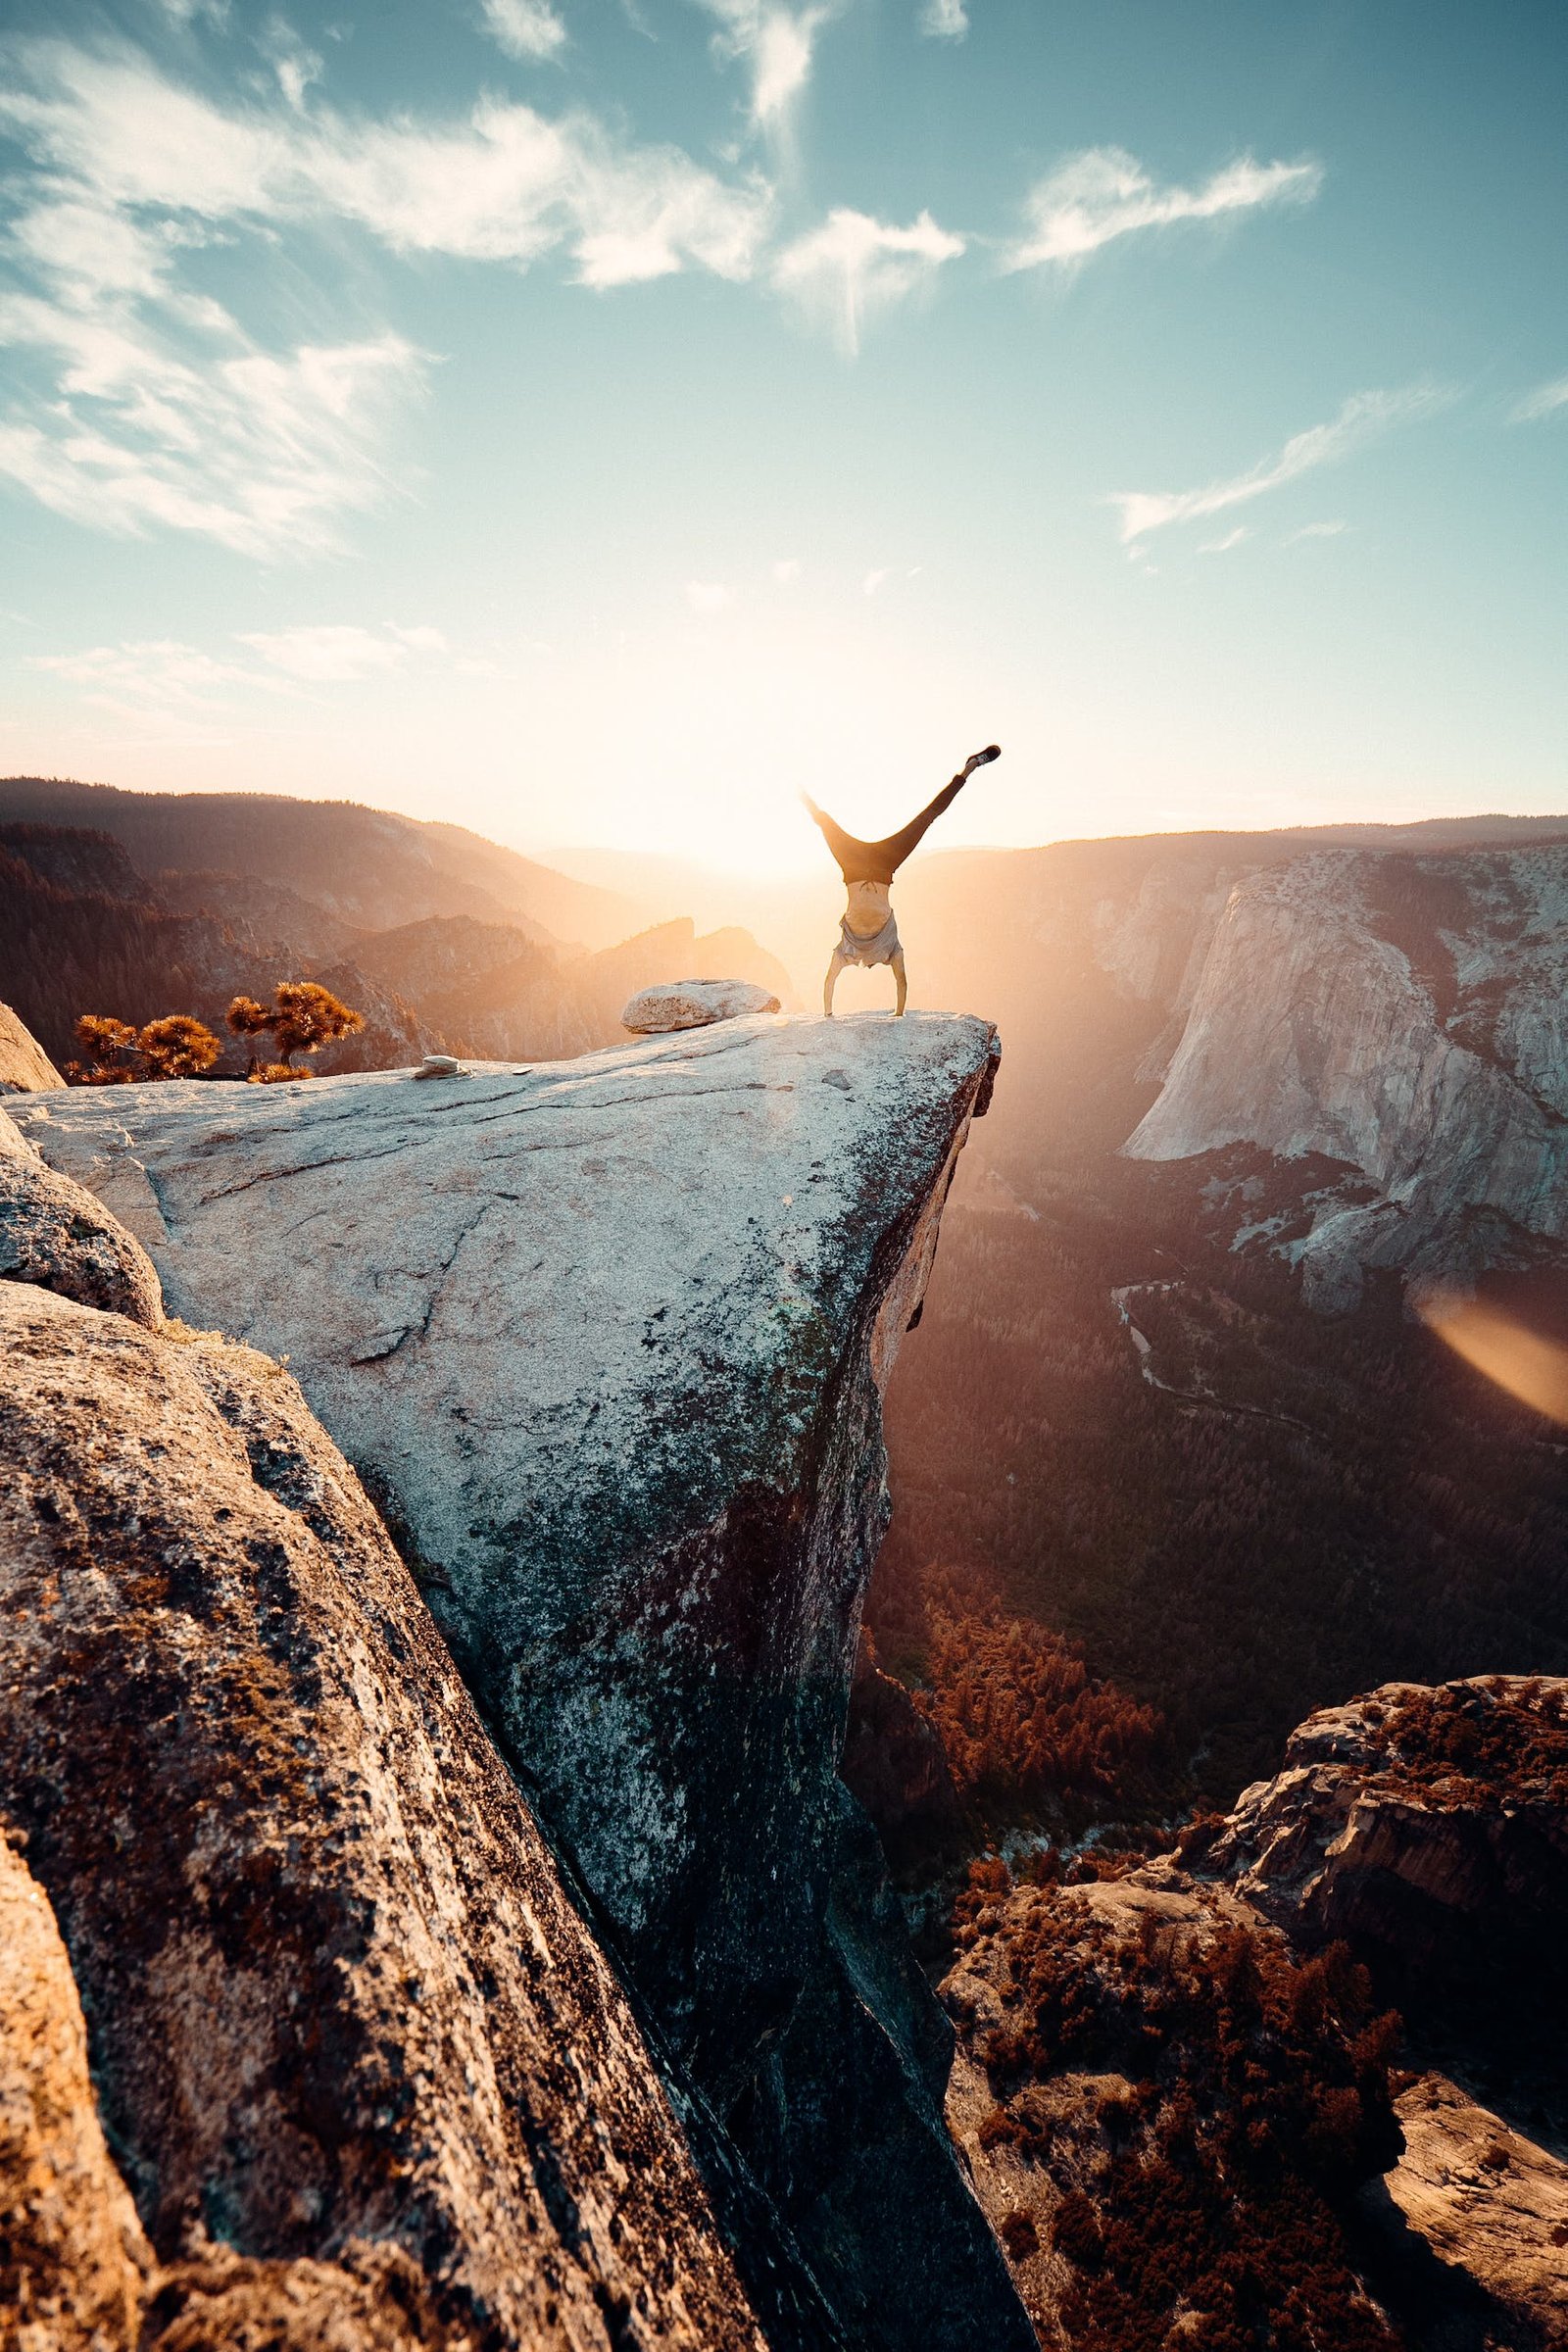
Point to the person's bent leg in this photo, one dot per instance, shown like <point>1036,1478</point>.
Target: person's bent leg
<point>901,977</point>
<point>831,983</point>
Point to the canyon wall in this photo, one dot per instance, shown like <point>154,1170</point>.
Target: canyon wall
<point>1406,1018</point>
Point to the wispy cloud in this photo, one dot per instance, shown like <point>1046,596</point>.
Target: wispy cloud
<point>787,571</point>
<point>853,265</point>
<point>944,19</point>
<point>144,402</point>
<point>154,675</point>
<point>338,653</point>
<point>1314,530</point>
<point>1222,547</point>
<point>130,426</point>
<point>163,675</point>
<point>874,579</point>
<point>777,44</point>
<point>524,27</point>
<point>1364,417</point>
<point>1105,193</point>
<point>1544,401</point>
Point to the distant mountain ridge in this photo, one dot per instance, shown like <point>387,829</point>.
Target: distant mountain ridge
<point>369,866</point>
<point>84,930</point>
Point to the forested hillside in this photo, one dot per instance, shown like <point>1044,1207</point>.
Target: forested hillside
<point>369,866</point>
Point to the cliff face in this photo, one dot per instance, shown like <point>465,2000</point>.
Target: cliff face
<point>344,2022</point>
<point>1405,1017</point>
<point>609,1337</point>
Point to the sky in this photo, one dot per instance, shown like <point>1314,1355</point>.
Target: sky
<point>595,421</point>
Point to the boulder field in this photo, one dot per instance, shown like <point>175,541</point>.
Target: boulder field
<point>605,1341</point>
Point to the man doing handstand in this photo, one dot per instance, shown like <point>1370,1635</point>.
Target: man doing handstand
<point>869,933</point>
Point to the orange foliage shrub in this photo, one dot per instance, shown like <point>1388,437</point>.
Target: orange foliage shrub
<point>177,1045</point>
<point>1467,1746</point>
<point>302,1017</point>
<point>1208,2208</point>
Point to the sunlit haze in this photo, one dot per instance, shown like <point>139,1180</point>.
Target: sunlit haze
<point>595,423</point>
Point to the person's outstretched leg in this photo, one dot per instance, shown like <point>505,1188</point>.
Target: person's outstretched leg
<point>892,852</point>
<point>903,979</point>
<point>848,854</point>
<point>831,983</point>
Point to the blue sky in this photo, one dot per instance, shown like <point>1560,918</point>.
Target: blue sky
<point>593,420</point>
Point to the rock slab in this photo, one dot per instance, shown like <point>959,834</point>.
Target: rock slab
<point>608,1337</point>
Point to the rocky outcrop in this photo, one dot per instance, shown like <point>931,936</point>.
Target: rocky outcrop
<point>76,2272</point>
<point>24,1067</point>
<point>1182,2069</point>
<point>341,2012</point>
<point>56,1235</point>
<point>74,2263</point>
<point>1428,1826</point>
<point>1406,1017</point>
<point>1477,2216</point>
<point>1166,2115</point>
<point>607,1337</point>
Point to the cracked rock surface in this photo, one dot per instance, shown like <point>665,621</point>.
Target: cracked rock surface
<point>607,1337</point>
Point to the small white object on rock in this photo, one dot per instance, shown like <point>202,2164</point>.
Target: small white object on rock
<point>693,1004</point>
<point>439,1066</point>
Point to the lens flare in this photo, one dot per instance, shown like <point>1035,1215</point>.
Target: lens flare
<point>1527,1363</point>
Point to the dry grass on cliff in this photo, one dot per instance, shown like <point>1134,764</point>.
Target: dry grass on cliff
<point>1460,1746</point>
<point>1189,2110</point>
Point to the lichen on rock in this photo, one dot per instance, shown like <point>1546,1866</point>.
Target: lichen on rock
<point>333,1987</point>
